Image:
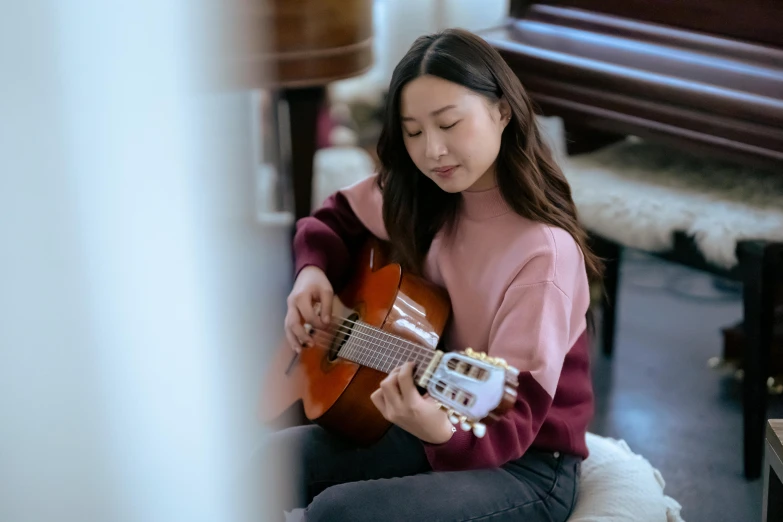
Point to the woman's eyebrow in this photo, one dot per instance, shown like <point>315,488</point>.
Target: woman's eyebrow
<point>433,113</point>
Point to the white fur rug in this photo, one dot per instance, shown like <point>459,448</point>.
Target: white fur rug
<point>639,194</point>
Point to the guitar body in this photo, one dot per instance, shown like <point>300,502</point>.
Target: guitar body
<point>335,392</point>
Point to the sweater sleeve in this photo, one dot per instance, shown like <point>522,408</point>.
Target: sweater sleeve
<point>532,330</point>
<point>329,239</point>
<point>333,235</point>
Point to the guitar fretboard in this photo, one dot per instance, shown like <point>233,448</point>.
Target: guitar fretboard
<point>383,351</point>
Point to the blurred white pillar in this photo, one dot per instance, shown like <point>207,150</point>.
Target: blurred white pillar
<point>138,292</point>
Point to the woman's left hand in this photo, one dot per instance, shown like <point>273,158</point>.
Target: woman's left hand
<point>399,402</point>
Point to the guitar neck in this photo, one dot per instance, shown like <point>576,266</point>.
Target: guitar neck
<point>374,348</point>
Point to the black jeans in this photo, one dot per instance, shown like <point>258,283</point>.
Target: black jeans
<point>392,481</point>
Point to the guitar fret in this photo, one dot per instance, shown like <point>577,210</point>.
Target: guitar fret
<point>395,351</point>
<point>389,354</point>
<point>392,354</point>
<point>399,353</point>
<point>347,351</point>
<point>381,349</point>
<point>367,356</point>
<point>356,348</point>
<point>384,351</point>
<point>403,355</point>
<point>377,351</point>
<point>374,348</point>
<point>418,354</point>
<point>369,351</point>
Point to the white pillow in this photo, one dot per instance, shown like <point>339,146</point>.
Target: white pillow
<point>618,485</point>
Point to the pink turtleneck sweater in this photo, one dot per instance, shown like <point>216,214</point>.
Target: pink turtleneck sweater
<point>518,290</point>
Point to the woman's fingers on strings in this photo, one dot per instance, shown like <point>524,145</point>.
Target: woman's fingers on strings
<point>325,298</point>
<point>301,335</point>
<point>289,323</point>
<point>391,389</point>
<point>295,331</point>
<point>292,341</point>
<point>292,337</point>
<point>405,380</point>
<point>305,305</point>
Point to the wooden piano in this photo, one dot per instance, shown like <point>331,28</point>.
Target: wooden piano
<point>294,49</point>
<point>705,75</point>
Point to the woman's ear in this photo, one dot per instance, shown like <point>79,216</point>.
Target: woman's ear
<point>505,111</point>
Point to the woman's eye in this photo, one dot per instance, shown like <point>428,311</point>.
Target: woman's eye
<point>412,134</point>
<point>444,127</point>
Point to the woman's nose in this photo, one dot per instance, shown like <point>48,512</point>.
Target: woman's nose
<point>436,148</point>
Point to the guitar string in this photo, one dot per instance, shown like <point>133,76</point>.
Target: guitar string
<point>387,352</point>
<point>419,370</point>
<point>414,347</point>
<point>370,340</point>
<point>384,356</point>
<point>418,351</point>
<point>382,332</point>
<point>410,348</point>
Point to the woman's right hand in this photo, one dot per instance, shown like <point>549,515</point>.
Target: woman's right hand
<point>311,288</point>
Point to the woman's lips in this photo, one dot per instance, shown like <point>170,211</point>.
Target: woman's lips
<point>445,172</point>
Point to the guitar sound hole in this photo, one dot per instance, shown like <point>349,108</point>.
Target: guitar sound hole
<point>342,335</point>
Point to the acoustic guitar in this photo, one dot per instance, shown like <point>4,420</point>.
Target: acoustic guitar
<point>383,318</point>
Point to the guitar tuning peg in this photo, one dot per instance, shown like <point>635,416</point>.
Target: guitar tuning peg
<point>453,417</point>
<point>464,424</point>
<point>479,429</point>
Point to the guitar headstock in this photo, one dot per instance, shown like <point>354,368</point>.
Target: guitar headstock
<point>472,387</point>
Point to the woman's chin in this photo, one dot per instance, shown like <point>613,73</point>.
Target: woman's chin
<point>452,184</point>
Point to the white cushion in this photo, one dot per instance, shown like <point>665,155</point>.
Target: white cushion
<point>619,485</point>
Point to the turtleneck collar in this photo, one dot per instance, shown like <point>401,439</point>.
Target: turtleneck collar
<point>484,204</point>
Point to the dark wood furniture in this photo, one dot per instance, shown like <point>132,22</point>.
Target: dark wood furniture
<point>610,66</point>
<point>705,75</point>
<point>295,48</point>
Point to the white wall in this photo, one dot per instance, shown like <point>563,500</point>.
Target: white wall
<point>408,19</point>
<point>397,23</point>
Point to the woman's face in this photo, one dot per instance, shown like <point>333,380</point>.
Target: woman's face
<point>451,133</point>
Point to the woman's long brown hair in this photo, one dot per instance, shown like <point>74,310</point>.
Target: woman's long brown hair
<point>414,207</point>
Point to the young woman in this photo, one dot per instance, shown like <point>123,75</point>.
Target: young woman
<point>470,198</point>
